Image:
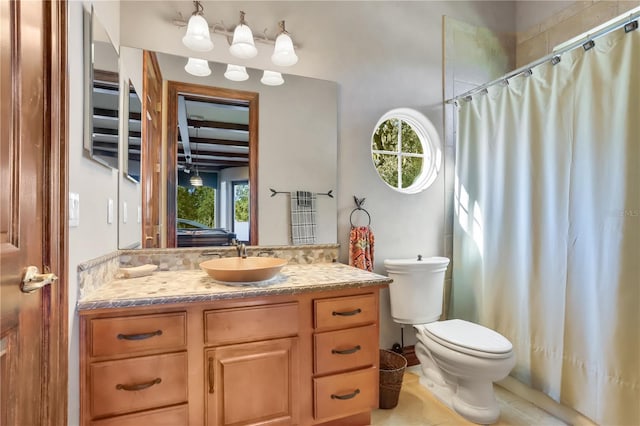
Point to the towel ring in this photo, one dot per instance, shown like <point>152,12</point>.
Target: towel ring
<point>355,210</point>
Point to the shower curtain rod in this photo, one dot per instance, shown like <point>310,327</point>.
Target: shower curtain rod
<point>630,20</point>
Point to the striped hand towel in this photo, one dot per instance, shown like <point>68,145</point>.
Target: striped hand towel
<point>361,247</point>
<point>303,217</point>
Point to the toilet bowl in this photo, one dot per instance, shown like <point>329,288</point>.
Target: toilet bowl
<point>459,360</point>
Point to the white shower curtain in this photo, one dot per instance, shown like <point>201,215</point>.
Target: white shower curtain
<point>547,225</point>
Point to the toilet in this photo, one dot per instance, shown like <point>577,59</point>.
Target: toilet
<point>459,360</point>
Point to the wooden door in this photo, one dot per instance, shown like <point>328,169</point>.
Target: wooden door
<point>33,326</point>
<point>253,383</point>
<point>151,149</point>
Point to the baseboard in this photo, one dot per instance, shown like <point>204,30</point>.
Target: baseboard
<point>564,413</point>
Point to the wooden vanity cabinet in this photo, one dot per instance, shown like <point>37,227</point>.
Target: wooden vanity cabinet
<point>253,370</point>
<point>306,359</point>
<point>345,337</point>
<point>134,369</point>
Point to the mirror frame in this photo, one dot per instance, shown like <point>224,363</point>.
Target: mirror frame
<point>209,93</point>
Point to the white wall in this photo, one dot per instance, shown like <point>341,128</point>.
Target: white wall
<point>93,182</point>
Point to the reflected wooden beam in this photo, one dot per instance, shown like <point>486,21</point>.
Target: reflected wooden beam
<point>211,141</point>
<point>217,125</point>
<point>202,154</point>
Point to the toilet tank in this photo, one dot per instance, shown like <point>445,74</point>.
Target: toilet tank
<point>416,292</point>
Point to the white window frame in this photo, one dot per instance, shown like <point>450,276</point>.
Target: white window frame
<point>431,149</point>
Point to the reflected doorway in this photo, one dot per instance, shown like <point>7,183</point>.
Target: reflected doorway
<point>211,166</point>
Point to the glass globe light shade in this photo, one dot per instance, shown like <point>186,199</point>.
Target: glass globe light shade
<point>197,67</point>
<point>283,53</point>
<point>243,45</point>
<point>196,180</point>
<point>236,73</point>
<point>272,78</point>
<point>198,37</point>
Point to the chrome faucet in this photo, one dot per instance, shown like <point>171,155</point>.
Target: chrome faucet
<point>242,250</point>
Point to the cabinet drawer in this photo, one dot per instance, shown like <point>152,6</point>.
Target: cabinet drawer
<point>123,386</point>
<point>345,349</point>
<point>246,324</point>
<point>131,334</point>
<point>341,312</point>
<point>345,394</point>
<point>172,416</point>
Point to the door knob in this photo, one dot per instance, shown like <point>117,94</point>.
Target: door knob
<point>33,280</point>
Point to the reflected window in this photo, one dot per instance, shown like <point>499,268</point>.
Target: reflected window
<point>241,210</point>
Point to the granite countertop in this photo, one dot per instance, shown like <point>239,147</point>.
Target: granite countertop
<point>196,286</point>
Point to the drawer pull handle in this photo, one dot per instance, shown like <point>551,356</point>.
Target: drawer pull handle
<point>140,386</point>
<point>346,351</point>
<point>347,314</point>
<point>141,336</point>
<point>211,375</point>
<point>347,396</point>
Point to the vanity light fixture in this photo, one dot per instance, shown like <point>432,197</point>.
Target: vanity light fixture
<point>243,45</point>
<point>198,37</point>
<point>272,78</point>
<point>197,67</point>
<point>283,53</point>
<point>236,73</point>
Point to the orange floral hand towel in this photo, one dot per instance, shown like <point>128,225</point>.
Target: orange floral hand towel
<point>361,248</point>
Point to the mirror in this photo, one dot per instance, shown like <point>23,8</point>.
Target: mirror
<point>297,146</point>
<point>132,152</point>
<point>102,97</point>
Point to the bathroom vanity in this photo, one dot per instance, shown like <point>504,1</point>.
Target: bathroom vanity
<point>178,348</point>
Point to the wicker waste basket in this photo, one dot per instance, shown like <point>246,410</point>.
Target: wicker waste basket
<point>392,366</point>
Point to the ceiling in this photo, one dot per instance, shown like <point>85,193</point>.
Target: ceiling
<point>211,135</point>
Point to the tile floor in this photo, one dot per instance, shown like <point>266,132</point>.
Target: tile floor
<point>416,406</point>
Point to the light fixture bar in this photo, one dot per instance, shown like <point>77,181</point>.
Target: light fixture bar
<point>220,29</point>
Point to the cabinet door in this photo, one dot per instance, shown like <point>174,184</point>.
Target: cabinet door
<point>253,383</point>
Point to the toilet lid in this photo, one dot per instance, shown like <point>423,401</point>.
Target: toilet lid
<point>468,335</point>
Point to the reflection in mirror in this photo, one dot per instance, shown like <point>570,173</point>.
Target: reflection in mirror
<point>297,134</point>
<point>132,151</point>
<point>213,142</point>
<point>213,164</point>
<point>103,82</point>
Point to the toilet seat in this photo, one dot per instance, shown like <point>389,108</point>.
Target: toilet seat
<point>467,337</point>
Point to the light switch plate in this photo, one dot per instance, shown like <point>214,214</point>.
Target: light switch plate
<point>74,210</point>
<point>139,214</point>
<point>110,211</point>
<point>124,212</point>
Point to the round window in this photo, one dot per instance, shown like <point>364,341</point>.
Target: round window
<point>405,149</point>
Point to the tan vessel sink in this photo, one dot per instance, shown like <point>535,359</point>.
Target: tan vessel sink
<point>237,269</point>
